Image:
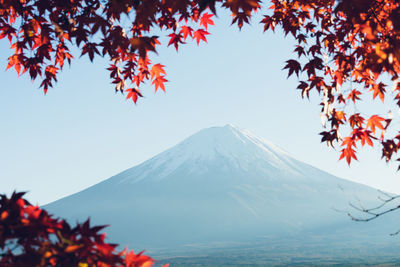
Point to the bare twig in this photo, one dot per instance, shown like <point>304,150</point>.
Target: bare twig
<point>377,211</point>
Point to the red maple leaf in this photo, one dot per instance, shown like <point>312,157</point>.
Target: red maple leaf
<point>206,20</point>
<point>200,34</point>
<point>186,31</point>
<point>176,39</point>
<point>133,93</point>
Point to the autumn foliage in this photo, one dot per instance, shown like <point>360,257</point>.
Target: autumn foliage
<point>29,236</point>
<point>42,33</point>
<point>347,51</point>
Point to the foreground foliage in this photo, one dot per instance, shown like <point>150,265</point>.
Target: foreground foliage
<point>29,236</point>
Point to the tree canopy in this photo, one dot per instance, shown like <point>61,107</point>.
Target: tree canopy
<point>345,50</point>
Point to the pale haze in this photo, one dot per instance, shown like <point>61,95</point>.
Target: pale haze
<point>81,132</point>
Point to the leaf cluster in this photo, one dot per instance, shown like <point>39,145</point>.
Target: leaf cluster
<point>29,236</point>
<point>345,51</point>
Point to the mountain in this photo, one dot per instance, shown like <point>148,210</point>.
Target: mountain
<point>222,185</point>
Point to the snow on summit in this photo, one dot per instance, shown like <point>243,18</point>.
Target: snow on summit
<point>228,145</point>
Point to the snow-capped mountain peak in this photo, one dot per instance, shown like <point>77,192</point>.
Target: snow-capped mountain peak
<point>221,147</point>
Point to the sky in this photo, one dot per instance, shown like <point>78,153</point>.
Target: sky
<point>81,132</point>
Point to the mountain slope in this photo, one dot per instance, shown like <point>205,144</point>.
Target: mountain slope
<point>222,184</point>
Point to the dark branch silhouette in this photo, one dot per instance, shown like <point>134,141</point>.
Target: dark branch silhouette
<point>377,211</point>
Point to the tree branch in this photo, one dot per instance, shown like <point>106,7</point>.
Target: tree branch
<point>377,211</point>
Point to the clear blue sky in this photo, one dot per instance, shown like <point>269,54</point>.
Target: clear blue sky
<point>81,132</point>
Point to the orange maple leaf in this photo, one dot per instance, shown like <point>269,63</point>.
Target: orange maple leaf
<point>159,82</point>
<point>157,70</point>
<point>375,121</point>
<point>348,153</point>
<point>379,89</point>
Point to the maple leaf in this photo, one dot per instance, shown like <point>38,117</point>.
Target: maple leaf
<point>90,49</point>
<point>367,137</point>
<point>379,89</point>
<point>16,60</point>
<point>312,65</point>
<point>356,120</point>
<point>299,50</point>
<point>133,93</point>
<point>240,18</point>
<point>186,31</point>
<point>375,121</point>
<point>329,137</point>
<point>114,71</point>
<point>175,39</point>
<point>337,118</point>
<point>157,70</point>
<point>305,89</point>
<point>349,141</point>
<point>341,99</point>
<point>200,34</point>
<point>315,49</point>
<point>268,22</point>
<point>293,66</point>
<point>206,20</point>
<point>7,31</point>
<point>353,95</point>
<point>348,153</point>
<point>301,38</point>
<point>159,83</point>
